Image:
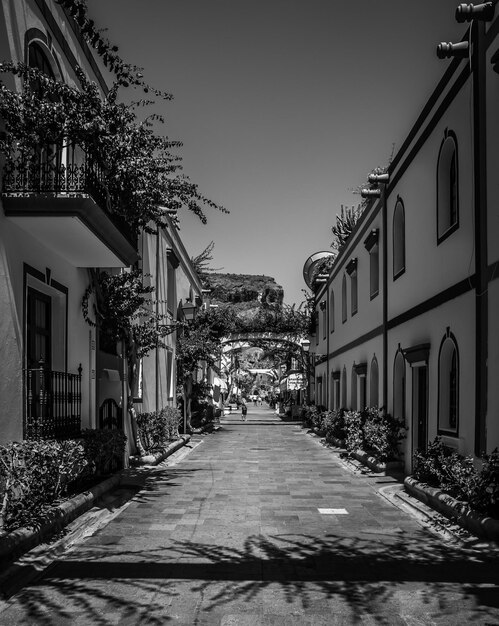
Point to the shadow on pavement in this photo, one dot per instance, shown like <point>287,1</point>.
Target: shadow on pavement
<point>364,575</point>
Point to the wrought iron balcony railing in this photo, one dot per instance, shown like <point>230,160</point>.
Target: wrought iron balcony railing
<point>53,403</point>
<point>62,171</point>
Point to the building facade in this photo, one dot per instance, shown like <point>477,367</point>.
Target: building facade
<point>57,375</point>
<point>407,318</point>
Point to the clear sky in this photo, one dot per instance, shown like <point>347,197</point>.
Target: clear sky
<point>283,106</point>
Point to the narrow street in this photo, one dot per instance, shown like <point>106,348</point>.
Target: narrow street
<point>260,524</point>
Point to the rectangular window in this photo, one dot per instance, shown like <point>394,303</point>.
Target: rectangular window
<point>337,393</point>
<point>353,292</point>
<point>169,373</point>
<point>344,300</point>
<point>374,271</point>
<point>39,329</point>
<point>171,299</point>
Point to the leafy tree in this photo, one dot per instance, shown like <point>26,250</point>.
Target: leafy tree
<point>141,175</point>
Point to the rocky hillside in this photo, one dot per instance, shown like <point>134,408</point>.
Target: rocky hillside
<point>243,290</point>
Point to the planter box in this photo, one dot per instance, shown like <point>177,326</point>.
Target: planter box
<point>479,525</point>
<point>374,464</point>
<point>339,443</point>
<point>19,541</point>
<point>160,455</point>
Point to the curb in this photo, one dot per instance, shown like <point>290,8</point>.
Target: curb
<point>23,539</point>
<point>479,525</point>
<point>160,455</point>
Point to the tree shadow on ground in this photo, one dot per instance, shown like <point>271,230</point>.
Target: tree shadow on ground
<point>366,576</point>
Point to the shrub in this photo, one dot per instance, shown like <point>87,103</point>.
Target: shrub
<point>319,419</point>
<point>158,427</point>
<point>104,450</point>
<point>485,497</point>
<point>382,434</point>
<point>334,425</point>
<point>34,474</point>
<point>309,415</point>
<point>354,426</point>
<point>439,466</point>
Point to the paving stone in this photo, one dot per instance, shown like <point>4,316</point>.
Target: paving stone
<point>232,535</point>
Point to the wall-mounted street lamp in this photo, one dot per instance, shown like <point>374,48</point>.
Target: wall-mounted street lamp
<point>459,50</point>
<point>189,310</point>
<point>468,12</point>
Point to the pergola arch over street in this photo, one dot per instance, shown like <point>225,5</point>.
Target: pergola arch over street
<point>236,342</point>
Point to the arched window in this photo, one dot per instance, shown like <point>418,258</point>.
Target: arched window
<point>324,319</point>
<point>448,385</point>
<point>447,187</point>
<point>38,58</point>
<point>374,383</point>
<point>399,386</point>
<point>353,391</point>
<point>344,299</point>
<point>398,239</point>
<point>331,312</point>
<point>344,402</point>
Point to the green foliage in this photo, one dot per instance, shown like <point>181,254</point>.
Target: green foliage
<point>310,416</point>
<point>345,223</point>
<point>125,311</point>
<point>442,467</point>
<point>103,450</point>
<point>485,495</point>
<point>334,425</point>
<point>35,474</point>
<point>375,432</point>
<point>201,262</point>
<point>142,176</point>
<point>157,428</point>
<point>354,426</point>
<point>383,434</point>
<point>126,73</point>
<point>239,288</point>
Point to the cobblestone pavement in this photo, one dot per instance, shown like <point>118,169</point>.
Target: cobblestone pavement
<point>260,524</point>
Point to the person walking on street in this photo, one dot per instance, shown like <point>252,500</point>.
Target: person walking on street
<point>244,410</point>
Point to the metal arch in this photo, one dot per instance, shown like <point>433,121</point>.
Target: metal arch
<point>245,339</point>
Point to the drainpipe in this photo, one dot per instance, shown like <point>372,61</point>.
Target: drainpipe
<point>480,210</point>
<point>328,314</point>
<point>384,261</point>
<point>157,313</point>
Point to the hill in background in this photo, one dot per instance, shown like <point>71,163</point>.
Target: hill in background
<point>245,291</point>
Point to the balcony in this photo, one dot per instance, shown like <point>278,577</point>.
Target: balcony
<point>58,196</point>
<point>52,404</point>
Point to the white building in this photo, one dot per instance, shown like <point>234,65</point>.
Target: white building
<point>408,316</point>
<point>55,230</point>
